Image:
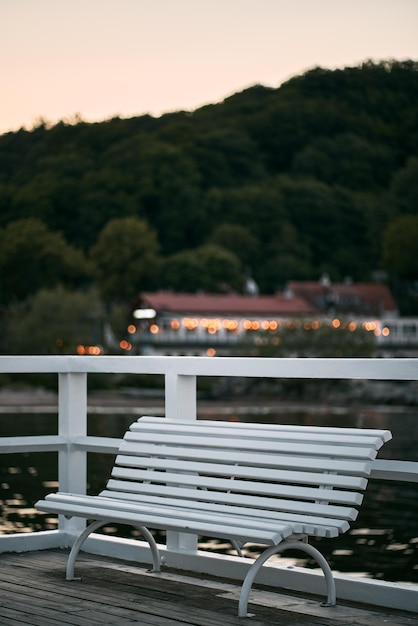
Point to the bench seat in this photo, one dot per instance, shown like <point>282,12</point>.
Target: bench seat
<point>267,484</point>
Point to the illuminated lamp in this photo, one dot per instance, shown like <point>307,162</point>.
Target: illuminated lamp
<point>144,314</point>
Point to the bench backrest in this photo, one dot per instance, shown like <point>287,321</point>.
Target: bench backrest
<point>294,470</point>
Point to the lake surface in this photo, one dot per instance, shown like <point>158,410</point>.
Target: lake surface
<point>382,543</point>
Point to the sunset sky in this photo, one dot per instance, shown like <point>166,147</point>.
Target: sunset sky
<point>102,58</point>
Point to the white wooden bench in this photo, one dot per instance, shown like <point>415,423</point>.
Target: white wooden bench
<point>266,484</point>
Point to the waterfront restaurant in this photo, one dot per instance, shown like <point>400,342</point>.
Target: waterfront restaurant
<point>183,324</point>
<point>206,324</point>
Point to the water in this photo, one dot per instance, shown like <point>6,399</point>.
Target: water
<point>382,543</point>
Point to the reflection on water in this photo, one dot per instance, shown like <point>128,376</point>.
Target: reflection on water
<point>382,543</point>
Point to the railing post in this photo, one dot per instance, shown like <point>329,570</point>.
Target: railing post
<point>180,404</point>
<point>72,420</point>
<point>180,396</point>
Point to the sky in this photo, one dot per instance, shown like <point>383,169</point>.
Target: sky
<point>97,59</point>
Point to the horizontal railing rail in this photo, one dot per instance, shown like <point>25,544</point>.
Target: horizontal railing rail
<point>181,375</point>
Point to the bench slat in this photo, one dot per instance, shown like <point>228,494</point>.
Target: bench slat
<point>205,428</point>
<point>265,460</point>
<point>228,484</point>
<point>235,516</point>
<point>178,523</point>
<point>261,502</point>
<point>164,509</point>
<point>330,450</point>
<point>383,435</point>
<point>242,471</point>
<point>324,526</point>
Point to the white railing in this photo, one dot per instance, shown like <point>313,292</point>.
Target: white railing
<point>181,373</point>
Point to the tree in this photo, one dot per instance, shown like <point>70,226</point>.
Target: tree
<point>126,259</point>
<point>238,240</point>
<point>54,321</point>
<point>319,339</point>
<point>400,246</point>
<point>404,187</point>
<point>209,268</point>
<point>327,220</point>
<point>286,257</point>
<point>347,160</point>
<point>345,142</point>
<point>169,194</point>
<point>32,257</point>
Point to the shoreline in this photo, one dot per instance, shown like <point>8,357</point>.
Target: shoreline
<point>40,400</point>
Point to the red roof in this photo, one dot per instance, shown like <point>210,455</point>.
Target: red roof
<point>364,298</point>
<point>231,304</point>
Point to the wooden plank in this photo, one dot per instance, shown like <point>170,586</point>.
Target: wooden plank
<point>272,459</point>
<point>305,518</point>
<point>225,529</point>
<point>258,427</point>
<point>100,506</point>
<point>276,432</point>
<point>109,596</point>
<point>119,593</point>
<point>241,486</point>
<point>75,603</point>
<point>333,448</point>
<point>222,468</point>
<point>279,504</point>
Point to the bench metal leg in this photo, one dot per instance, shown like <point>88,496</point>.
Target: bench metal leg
<point>286,545</point>
<point>237,545</point>
<point>91,528</point>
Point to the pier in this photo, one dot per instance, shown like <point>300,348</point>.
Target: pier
<point>36,559</point>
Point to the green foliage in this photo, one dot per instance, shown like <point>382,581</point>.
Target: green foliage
<point>208,268</point>
<point>347,160</point>
<point>238,240</point>
<point>404,187</point>
<point>309,175</point>
<point>400,247</point>
<point>168,187</point>
<point>31,256</point>
<point>126,259</point>
<point>296,339</point>
<point>54,321</point>
<point>327,219</point>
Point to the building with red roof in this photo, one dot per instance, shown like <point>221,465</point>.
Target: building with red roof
<point>206,324</point>
<point>184,323</point>
<point>348,299</point>
<point>203,304</point>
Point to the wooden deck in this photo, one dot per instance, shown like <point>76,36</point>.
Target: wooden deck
<point>33,591</point>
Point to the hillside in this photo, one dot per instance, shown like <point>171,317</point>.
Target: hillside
<point>313,174</point>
